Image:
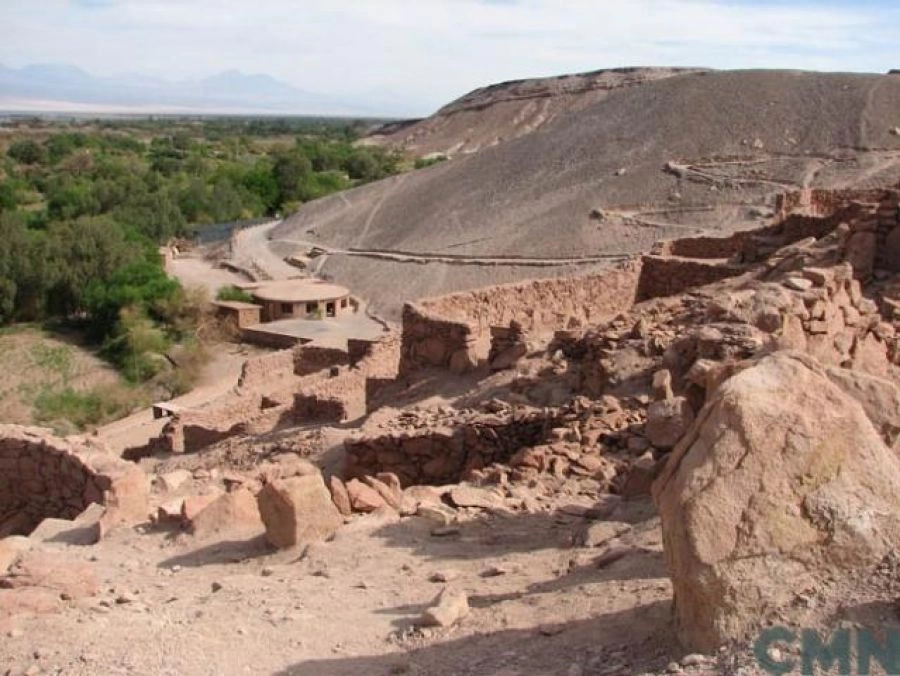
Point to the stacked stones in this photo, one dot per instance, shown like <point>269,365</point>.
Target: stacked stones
<point>442,451</point>
<point>508,346</point>
<point>43,476</point>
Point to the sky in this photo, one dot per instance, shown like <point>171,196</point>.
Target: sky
<point>416,55</point>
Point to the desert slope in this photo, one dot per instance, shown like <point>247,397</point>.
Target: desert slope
<point>508,110</point>
<point>695,151</point>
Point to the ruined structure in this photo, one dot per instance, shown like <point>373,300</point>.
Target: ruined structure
<point>44,476</point>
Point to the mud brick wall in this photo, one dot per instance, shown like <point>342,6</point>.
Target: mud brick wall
<point>313,358</point>
<point>446,454</point>
<point>453,331</point>
<point>261,371</point>
<point>44,476</point>
<point>669,276</point>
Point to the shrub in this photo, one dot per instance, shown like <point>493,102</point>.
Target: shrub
<point>232,293</point>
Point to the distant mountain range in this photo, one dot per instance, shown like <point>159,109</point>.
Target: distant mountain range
<point>62,87</point>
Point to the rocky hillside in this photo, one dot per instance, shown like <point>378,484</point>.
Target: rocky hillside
<point>677,154</point>
<point>501,112</point>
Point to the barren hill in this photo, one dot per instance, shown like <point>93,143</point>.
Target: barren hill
<point>684,153</point>
<point>501,112</point>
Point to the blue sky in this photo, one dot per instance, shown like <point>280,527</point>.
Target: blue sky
<point>416,55</point>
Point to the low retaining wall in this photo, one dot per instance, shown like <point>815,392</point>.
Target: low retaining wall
<point>446,454</point>
<point>669,276</point>
<point>43,476</point>
<point>453,331</point>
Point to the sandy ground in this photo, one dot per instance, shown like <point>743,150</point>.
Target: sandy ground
<point>171,605</point>
<point>193,271</point>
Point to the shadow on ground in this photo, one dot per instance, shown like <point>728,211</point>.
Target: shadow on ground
<point>584,647</point>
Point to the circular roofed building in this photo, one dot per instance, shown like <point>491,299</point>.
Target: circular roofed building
<point>301,299</point>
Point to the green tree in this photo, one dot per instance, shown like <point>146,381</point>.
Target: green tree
<point>290,169</point>
<point>26,151</point>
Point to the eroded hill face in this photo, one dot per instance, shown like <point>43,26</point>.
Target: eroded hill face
<point>501,112</point>
<point>672,157</point>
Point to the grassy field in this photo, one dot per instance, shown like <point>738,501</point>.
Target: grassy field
<point>51,379</point>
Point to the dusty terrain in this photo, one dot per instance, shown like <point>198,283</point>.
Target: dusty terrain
<point>508,110</point>
<point>618,466</point>
<point>515,486</point>
<point>659,160</point>
<point>33,360</point>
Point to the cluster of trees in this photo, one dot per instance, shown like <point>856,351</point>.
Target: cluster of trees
<point>84,206</point>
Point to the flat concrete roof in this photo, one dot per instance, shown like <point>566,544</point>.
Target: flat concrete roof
<point>298,291</point>
<point>331,332</point>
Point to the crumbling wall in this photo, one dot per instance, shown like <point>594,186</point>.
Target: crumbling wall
<point>346,396</point>
<point>431,340</point>
<point>262,371</point>
<point>313,358</point>
<point>823,201</point>
<point>441,455</point>
<point>542,304</point>
<point>44,476</point>
<point>453,331</point>
<point>669,276</point>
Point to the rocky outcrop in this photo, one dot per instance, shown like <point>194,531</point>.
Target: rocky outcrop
<point>781,483</point>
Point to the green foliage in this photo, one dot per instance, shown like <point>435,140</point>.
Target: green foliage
<point>56,406</point>
<point>423,162</point>
<point>233,293</point>
<point>26,151</point>
<point>139,285</point>
<point>84,204</point>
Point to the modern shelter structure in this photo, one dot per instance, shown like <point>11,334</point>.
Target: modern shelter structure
<point>301,299</point>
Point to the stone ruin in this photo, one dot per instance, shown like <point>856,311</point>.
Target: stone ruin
<point>43,476</point>
<point>641,353</point>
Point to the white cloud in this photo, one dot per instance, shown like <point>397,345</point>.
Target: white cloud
<point>418,54</point>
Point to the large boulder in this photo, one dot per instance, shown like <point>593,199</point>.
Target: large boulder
<point>298,510</point>
<point>781,482</point>
<point>667,421</point>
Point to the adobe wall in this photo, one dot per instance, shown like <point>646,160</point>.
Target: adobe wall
<point>44,476</point>
<point>669,276</point>
<point>313,358</point>
<point>453,331</point>
<point>347,395</point>
<point>441,455</point>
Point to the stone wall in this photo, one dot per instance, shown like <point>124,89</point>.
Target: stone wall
<point>669,276</point>
<point>44,476</point>
<point>453,331</point>
<point>313,358</point>
<point>822,201</point>
<point>347,395</point>
<point>446,454</point>
<point>261,371</point>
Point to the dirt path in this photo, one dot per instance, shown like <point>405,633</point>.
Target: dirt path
<point>251,249</point>
<point>219,376</point>
<point>458,259</point>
